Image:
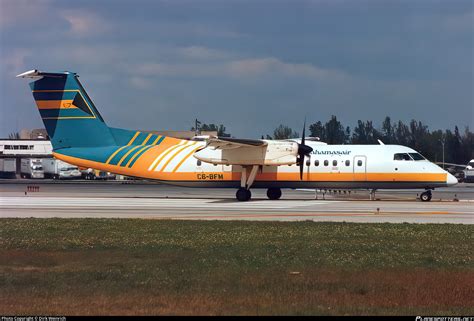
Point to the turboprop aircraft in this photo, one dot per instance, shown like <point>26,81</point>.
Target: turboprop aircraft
<point>80,136</point>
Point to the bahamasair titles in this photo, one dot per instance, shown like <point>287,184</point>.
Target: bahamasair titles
<point>80,136</point>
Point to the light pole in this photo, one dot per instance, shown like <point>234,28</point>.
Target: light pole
<point>443,140</point>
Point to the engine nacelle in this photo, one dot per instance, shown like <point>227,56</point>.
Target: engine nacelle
<point>274,153</point>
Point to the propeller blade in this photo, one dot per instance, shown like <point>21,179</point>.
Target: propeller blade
<point>303,150</point>
<point>301,167</point>
<point>304,128</point>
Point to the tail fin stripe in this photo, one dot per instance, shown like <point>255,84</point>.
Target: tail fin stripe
<point>158,140</point>
<point>147,139</point>
<point>185,158</point>
<point>160,157</point>
<point>137,153</point>
<point>175,152</point>
<point>54,95</point>
<point>144,151</point>
<point>55,104</point>
<point>133,138</point>
<point>115,153</point>
<point>140,155</point>
<point>140,140</point>
<point>128,153</point>
<point>121,154</point>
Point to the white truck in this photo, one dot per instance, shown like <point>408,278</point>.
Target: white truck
<point>7,167</point>
<point>469,172</point>
<point>31,168</point>
<point>57,169</point>
<point>95,174</point>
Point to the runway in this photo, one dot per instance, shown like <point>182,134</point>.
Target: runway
<point>155,201</point>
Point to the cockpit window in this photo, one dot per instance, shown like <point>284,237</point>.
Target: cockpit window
<point>417,156</point>
<point>402,156</point>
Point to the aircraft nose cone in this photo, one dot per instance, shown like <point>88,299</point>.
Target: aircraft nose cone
<point>451,180</point>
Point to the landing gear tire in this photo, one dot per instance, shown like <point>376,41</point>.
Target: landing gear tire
<point>426,196</point>
<point>243,194</point>
<point>273,193</point>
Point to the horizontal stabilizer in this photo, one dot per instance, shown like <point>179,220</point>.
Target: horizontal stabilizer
<point>35,74</point>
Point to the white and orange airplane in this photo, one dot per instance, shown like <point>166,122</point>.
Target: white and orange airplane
<point>80,136</point>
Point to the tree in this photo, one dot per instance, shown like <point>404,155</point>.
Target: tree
<point>220,129</point>
<point>14,135</point>
<point>317,130</point>
<point>284,132</point>
<point>359,135</point>
<point>334,131</point>
<point>387,131</point>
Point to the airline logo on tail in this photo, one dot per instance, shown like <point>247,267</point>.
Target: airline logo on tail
<point>62,104</point>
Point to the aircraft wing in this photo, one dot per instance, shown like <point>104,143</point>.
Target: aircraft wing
<point>236,151</point>
<point>231,143</point>
<point>450,164</point>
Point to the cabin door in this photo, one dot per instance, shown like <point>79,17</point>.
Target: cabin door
<point>360,168</point>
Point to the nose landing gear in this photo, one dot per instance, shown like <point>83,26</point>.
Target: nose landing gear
<point>426,196</point>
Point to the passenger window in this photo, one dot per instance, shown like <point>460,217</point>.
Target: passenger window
<point>316,163</point>
<point>359,163</point>
<point>348,162</point>
<point>198,162</point>
<point>402,156</point>
<point>308,162</point>
<point>334,163</point>
<point>326,163</point>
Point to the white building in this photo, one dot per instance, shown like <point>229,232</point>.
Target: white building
<point>25,148</point>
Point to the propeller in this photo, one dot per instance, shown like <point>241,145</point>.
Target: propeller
<point>303,150</point>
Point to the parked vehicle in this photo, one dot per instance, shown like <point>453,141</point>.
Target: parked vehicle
<point>31,168</point>
<point>97,174</point>
<point>57,169</point>
<point>469,172</point>
<point>7,167</point>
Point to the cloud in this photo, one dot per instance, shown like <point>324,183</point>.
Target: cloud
<point>460,22</point>
<point>239,68</point>
<point>261,66</point>
<point>23,11</point>
<point>14,62</point>
<point>141,83</point>
<point>84,22</point>
<point>204,53</point>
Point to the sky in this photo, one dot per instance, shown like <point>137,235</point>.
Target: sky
<point>250,65</point>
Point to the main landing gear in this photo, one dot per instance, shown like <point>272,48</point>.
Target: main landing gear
<point>426,196</point>
<point>246,180</point>
<point>273,193</point>
<point>243,193</point>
